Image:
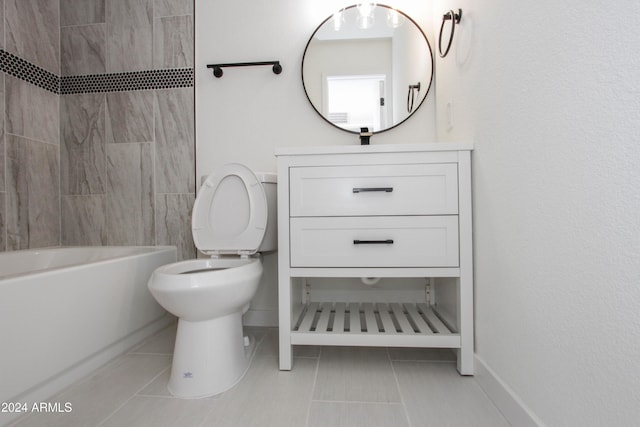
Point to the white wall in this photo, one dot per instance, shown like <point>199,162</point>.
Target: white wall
<point>550,93</point>
<point>246,114</point>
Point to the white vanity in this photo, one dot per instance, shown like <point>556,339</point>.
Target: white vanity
<point>376,211</point>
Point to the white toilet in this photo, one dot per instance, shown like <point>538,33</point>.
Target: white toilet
<point>234,218</point>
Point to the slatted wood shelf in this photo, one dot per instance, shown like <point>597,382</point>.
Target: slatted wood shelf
<point>373,324</point>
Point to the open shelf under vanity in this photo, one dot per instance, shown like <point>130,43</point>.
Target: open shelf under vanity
<point>373,324</point>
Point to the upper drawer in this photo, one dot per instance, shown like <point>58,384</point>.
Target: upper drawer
<point>413,189</point>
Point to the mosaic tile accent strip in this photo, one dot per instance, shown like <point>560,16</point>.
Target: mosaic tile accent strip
<point>95,83</point>
<point>25,70</point>
<point>136,80</point>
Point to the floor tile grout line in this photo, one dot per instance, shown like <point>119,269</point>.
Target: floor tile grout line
<point>216,398</point>
<point>132,396</point>
<point>364,402</point>
<point>402,400</point>
<point>149,354</point>
<point>257,344</point>
<point>260,343</point>
<point>85,379</point>
<point>438,362</point>
<point>491,400</point>
<point>205,417</point>
<point>313,387</point>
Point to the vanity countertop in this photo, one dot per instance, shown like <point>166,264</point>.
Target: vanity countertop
<point>374,148</point>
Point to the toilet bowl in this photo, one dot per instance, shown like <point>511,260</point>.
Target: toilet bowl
<point>233,221</point>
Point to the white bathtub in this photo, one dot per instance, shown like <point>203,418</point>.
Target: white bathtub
<point>66,311</point>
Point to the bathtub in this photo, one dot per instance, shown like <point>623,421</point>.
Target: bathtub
<point>66,311</point>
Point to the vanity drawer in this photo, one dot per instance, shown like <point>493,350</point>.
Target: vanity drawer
<point>412,189</point>
<point>412,241</point>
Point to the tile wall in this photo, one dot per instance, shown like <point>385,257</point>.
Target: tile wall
<point>109,158</point>
<point>30,123</point>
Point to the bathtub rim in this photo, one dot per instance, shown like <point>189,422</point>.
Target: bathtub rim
<point>147,250</point>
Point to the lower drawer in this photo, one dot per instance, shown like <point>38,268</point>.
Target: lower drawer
<point>407,241</point>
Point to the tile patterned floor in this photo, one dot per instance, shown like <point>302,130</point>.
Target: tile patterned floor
<point>328,386</point>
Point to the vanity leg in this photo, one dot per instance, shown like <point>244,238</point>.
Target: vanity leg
<point>465,320</point>
<point>465,324</point>
<point>286,353</point>
<point>465,291</point>
<point>284,320</point>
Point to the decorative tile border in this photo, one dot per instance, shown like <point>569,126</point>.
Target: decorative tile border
<point>136,80</point>
<point>25,70</point>
<point>92,83</point>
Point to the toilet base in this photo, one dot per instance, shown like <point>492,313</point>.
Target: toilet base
<point>209,357</point>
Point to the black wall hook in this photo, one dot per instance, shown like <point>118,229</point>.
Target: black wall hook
<point>411,96</point>
<point>217,68</point>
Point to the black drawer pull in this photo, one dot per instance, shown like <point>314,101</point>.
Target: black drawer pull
<point>368,189</point>
<point>373,242</point>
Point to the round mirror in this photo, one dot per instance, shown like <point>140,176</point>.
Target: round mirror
<point>367,66</point>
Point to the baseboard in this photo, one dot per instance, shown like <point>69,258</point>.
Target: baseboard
<point>511,406</point>
<point>54,385</point>
<point>260,318</point>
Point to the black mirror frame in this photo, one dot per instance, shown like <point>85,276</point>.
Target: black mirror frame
<point>414,110</point>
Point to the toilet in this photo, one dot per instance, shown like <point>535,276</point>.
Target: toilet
<point>233,221</point>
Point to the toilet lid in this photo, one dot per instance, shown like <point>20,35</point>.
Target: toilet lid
<point>230,212</point>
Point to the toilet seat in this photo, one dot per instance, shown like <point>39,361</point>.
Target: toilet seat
<point>225,235</point>
<point>202,273</point>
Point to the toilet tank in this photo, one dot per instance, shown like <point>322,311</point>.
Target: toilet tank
<point>269,182</point>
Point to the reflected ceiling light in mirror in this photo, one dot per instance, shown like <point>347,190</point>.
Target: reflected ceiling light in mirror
<point>365,15</point>
<point>338,20</point>
<point>394,18</point>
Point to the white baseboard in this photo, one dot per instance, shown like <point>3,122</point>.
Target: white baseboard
<point>511,406</point>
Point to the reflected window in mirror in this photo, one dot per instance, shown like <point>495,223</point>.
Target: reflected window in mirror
<point>357,101</point>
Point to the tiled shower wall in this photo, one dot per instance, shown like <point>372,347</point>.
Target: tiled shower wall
<point>115,166</point>
<point>30,123</point>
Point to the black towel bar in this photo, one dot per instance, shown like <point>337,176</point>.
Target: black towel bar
<point>217,68</point>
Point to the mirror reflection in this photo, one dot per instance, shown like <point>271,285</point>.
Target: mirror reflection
<point>367,66</point>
